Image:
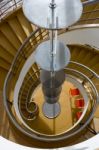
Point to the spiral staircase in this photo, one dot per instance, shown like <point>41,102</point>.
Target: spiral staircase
<point>18,42</point>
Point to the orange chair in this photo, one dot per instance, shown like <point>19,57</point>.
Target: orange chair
<point>74,92</point>
<point>78,115</point>
<point>79,103</point>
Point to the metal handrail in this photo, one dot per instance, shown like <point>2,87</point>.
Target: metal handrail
<point>89,117</point>
<point>6,88</point>
<point>20,51</point>
<point>90,2</point>
<point>90,70</point>
<point>22,47</point>
<point>81,65</point>
<point>71,62</point>
<point>89,19</point>
<point>9,76</point>
<point>33,83</point>
<point>5,4</point>
<point>8,9</point>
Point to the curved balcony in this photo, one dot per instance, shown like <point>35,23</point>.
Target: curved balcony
<point>15,103</point>
<point>82,72</point>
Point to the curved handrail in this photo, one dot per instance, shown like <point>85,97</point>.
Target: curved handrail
<point>70,70</point>
<point>96,103</point>
<point>22,46</point>
<point>86,68</point>
<point>20,51</point>
<point>90,70</point>
<point>27,95</point>
<point>6,84</point>
<point>9,8</point>
<point>88,119</point>
<point>10,74</point>
<point>33,33</point>
<point>90,2</point>
<point>80,128</point>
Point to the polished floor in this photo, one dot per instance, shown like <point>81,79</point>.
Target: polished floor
<point>63,122</point>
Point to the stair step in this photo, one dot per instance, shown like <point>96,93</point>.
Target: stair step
<point>24,23</point>
<point>4,42</point>
<point>11,36</point>
<point>88,57</point>
<point>95,14</point>
<point>74,53</point>
<point>5,55</point>
<point>81,56</point>
<point>94,61</point>
<point>17,28</point>
<point>4,64</point>
<point>96,68</point>
<point>3,73</point>
<point>86,16</point>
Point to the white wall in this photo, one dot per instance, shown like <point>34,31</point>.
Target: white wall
<point>91,144</point>
<point>81,36</point>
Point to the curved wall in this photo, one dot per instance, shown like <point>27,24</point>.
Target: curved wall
<point>91,144</point>
<point>82,35</point>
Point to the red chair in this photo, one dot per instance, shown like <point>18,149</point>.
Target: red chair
<point>74,92</point>
<point>78,115</point>
<point>79,103</point>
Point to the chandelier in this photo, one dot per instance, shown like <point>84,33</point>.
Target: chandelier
<point>52,56</point>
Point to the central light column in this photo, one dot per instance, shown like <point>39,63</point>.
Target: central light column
<point>52,56</point>
<point>51,86</point>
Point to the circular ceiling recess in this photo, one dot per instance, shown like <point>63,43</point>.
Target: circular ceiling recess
<point>66,13</point>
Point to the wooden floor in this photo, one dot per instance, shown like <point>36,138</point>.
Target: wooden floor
<point>59,124</point>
